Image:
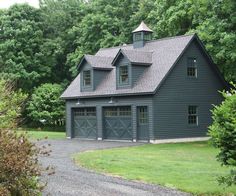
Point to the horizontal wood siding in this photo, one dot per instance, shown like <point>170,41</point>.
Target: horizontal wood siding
<point>137,71</point>
<point>99,75</point>
<point>178,92</point>
<point>99,103</point>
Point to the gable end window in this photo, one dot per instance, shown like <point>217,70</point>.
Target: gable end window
<point>123,75</point>
<point>87,78</point>
<point>192,67</point>
<point>192,115</point>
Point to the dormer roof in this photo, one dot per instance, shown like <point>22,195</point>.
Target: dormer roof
<point>135,56</point>
<point>97,62</point>
<point>142,27</point>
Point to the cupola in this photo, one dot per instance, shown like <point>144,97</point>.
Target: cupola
<point>141,34</point>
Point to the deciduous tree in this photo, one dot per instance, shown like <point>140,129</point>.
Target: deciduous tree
<point>223,133</point>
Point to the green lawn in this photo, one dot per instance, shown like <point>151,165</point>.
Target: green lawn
<point>42,134</point>
<point>190,167</point>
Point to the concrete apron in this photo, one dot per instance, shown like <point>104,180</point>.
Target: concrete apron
<point>161,141</point>
<point>180,140</point>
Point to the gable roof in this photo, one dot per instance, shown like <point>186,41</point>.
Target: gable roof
<point>135,56</point>
<point>97,62</point>
<point>165,54</point>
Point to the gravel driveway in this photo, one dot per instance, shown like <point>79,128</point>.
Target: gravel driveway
<point>73,180</point>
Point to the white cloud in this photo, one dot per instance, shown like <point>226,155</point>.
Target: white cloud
<point>8,3</point>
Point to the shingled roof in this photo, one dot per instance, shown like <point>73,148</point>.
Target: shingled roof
<point>136,56</point>
<point>162,53</point>
<point>97,62</point>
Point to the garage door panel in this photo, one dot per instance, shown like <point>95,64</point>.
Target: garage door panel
<point>85,123</point>
<point>117,123</point>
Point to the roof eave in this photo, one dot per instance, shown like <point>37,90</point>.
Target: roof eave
<point>110,95</point>
<point>81,62</point>
<point>141,63</point>
<point>103,68</point>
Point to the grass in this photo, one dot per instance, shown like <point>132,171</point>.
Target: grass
<point>42,134</point>
<point>189,167</point>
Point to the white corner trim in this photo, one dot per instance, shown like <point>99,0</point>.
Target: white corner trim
<point>99,138</point>
<point>179,140</point>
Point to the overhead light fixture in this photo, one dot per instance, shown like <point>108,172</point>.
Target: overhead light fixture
<point>78,102</point>
<point>111,101</point>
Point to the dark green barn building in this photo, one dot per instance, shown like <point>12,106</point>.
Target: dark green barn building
<point>148,90</point>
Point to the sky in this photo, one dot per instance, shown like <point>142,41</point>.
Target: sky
<point>8,3</point>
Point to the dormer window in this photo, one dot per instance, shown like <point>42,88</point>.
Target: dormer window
<point>124,75</point>
<point>87,78</point>
<point>192,67</point>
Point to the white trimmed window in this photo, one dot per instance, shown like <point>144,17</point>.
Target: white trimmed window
<point>87,78</point>
<point>192,115</point>
<point>123,75</point>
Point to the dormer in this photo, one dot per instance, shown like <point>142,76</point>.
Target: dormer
<point>130,65</point>
<point>92,70</point>
<point>141,34</point>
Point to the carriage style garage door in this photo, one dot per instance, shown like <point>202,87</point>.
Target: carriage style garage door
<point>85,123</point>
<point>117,123</point>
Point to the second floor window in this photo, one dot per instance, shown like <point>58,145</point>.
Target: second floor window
<point>124,75</point>
<point>192,67</point>
<point>87,78</point>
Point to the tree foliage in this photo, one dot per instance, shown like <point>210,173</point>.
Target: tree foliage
<point>223,133</point>
<point>22,50</point>
<point>44,45</point>
<point>45,104</point>
<point>11,103</point>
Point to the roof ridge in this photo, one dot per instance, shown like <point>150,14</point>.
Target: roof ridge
<point>142,51</point>
<point>172,37</point>
<point>156,40</point>
<point>105,57</point>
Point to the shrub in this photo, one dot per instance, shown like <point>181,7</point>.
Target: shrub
<point>19,168</point>
<point>223,134</point>
<point>45,104</point>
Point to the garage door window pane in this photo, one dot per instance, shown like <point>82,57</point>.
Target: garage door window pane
<point>111,112</point>
<point>91,112</point>
<point>80,112</point>
<point>125,111</point>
